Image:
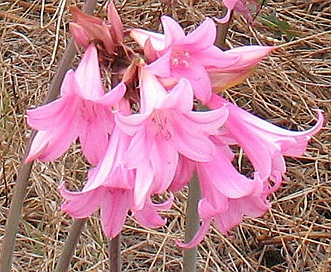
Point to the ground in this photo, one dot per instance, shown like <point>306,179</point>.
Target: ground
<point>293,236</point>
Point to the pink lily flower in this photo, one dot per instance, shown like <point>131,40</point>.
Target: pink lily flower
<point>228,196</point>
<point>163,130</point>
<point>175,55</point>
<point>83,111</point>
<point>240,6</point>
<point>185,56</point>
<point>227,213</point>
<point>110,188</point>
<point>273,142</point>
<point>222,188</point>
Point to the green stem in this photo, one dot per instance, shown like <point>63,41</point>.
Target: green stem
<point>192,224</point>
<point>115,254</point>
<point>22,180</point>
<point>70,245</point>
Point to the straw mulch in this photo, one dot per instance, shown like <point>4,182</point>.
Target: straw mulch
<point>293,236</point>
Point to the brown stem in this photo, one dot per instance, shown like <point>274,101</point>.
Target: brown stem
<point>14,216</point>
<point>114,244</point>
<point>192,224</point>
<point>115,254</point>
<point>70,245</point>
<point>222,31</point>
<point>22,180</point>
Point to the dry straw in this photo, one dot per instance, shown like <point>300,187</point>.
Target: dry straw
<point>294,236</point>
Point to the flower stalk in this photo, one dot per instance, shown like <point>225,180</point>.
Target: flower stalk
<point>192,224</point>
<point>115,254</point>
<point>192,215</point>
<point>222,31</point>
<point>70,245</point>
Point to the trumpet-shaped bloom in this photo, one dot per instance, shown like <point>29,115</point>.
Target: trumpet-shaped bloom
<point>227,195</point>
<point>110,188</point>
<point>265,144</point>
<point>222,186</point>
<point>194,57</point>
<point>166,127</point>
<point>83,111</point>
<point>185,56</point>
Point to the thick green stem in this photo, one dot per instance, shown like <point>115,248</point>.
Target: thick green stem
<point>192,224</point>
<point>115,254</point>
<point>70,245</point>
<point>22,180</point>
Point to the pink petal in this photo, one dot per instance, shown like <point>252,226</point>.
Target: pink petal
<point>196,146</point>
<point>141,36</point>
<point>184,172</point>
<point>139,149</point>
<point>94,131</point>
<point>250,206</point>
<point>114,208</point>
<point>152,93</point>
<point>69,85</point>
<point>110,171</point>
<point>222,81</point>
<point>198,78</point>
<point>198,237</point>
<point>215,57</point>
<point>164,160</point>
<point>175,97</point>
<point>50,145</point>
<point>202,37</point>
<point>80,204</point>
<point>161,66</point>
<point>143,185</point>
<point>88,75</point>
<point>149,217</point>
<point>249,55</point>
<point>40,118</point>
<point>172,30</point>
<point>130,124</point>
<point>228,180</point>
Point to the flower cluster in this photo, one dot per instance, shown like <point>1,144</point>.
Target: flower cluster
<point>148,134</point>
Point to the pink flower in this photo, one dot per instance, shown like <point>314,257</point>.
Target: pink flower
<point>83,111</point>
<point>110,188</point>
<point>175,55</point>
<point>166,127</point>
<point>185,56</point>
<point>222,189</point>
<point>227,195</point>
<point>264,144</point>
<point>241,6</point>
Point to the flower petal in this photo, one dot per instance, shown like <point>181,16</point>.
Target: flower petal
<point>88,75</point>
<point>114,208</point>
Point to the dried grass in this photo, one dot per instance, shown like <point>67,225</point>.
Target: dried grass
<point>293,236</point>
